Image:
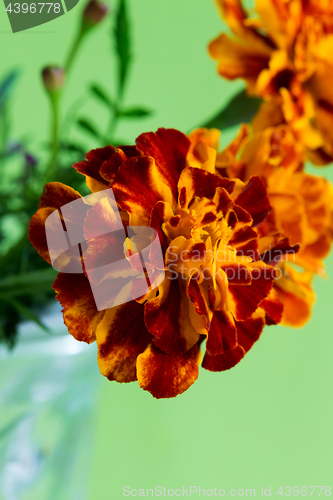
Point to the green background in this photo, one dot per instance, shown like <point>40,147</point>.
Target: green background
<point>268,421</point>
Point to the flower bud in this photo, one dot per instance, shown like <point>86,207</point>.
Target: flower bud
<point>94,12</point>
<point>53,78</point>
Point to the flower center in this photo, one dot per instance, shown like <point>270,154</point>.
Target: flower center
<point>198,222</point>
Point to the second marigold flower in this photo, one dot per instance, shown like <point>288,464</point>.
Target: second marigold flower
<point>285,56</point>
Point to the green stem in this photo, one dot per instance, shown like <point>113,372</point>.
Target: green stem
<point>75,47</point>
<point>73,52</point>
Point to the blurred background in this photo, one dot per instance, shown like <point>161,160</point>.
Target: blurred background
<point>268,421</point>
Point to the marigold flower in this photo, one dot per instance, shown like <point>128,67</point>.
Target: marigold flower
<point>215,287</point>
<point>302,208</point>
<point>285,56</point>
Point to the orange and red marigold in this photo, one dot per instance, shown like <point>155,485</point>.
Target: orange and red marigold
<point>219,273</point>
<point>284,53</point>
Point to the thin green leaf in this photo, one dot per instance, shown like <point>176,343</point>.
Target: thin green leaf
<point>6,86</point>
<point>70,146</point>
<point>240,109</point>
<point>26,313</point>
<point>89,127</point>
<point>135,113</point>
<point>123,43</point>
<point>30,283</point>
<point>102,95</point>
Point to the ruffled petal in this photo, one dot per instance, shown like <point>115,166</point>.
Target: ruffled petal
<point>169,149</point>
<point>275,248</point>
<point>161,213</point>
<point>210,136</point>
<point>238,61</point>
<point>37,234</point>
<point>204,145</point>
<point>91,166</point>
<point>273,308</point>
<point>253,198</point>
<point>245,241</point>
<point>279,74</point>
<point>226,160</point>
<point>237,19</point>
<point>248,332</point>
<point>222,335</point>
<point>105,248</point>
<point>138,186</point>
<point>166,376</point>
<point>269,115</point>
<point>311,257</point>
<point>294,291</point>
<point>196,182</point>
<point>245,299</point>
<point>79,309</point>
<point>121,337</point>
<point>167,317</point>
<point>290,215</point>
<point>56,194</point>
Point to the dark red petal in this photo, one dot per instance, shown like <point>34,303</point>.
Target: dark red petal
<point>248,332</point>
<point>90,167</point>
<point>121,337</point>
<point>130,151</point>
<point>250,249</point>
<point>195,294</point>
<point>166,376</point>
<point>254,200</point>
<point>237,274</point>
<point>223,361</point>
<point>196,182</point>
<point>108,247</point>
<point>159,215</point>
<point>101,219</point>
<point>56,194</point>
<point>273,309</point>
<point>168,318</point>
<point>275,254</point>
<point>169,149</point>
<point>222,334</point>
<point>242,215</point>
<point>245,240</point>
<point>37,233</point>
<point>247,298</point>
<point>79,309</point>
<point>223,200</point>
<point>136,188</point>
<point>110,167</point>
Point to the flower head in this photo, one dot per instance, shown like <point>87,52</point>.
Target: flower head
<point>284,55</point>
<point>215,286</point>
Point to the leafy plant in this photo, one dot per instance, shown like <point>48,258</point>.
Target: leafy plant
<point>25,279</point>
